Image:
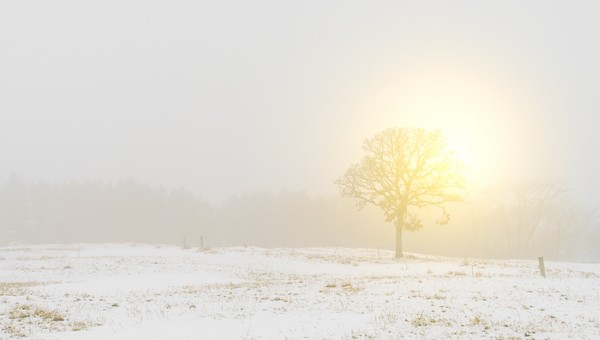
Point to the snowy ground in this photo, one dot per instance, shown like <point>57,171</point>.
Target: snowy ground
<point>149,292</point>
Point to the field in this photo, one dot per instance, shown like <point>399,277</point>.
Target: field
<point>131,291</point>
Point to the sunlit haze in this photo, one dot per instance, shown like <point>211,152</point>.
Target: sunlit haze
<point>224,98</point>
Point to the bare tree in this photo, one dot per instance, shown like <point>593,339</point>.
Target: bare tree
<point>405,170</point>
<point>539,217</point>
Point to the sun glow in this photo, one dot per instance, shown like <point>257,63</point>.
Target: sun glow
<point>473,114</point>
<point>465,149</point>
<point>471,100</point>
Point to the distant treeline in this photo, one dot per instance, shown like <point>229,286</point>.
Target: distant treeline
<point>129,211</point>
<point>517,222</point>
<point>97,212</point>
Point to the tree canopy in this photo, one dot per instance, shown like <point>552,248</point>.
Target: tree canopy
<point>405,169</point>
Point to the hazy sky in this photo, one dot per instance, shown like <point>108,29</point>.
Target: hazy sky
<point>225,97</point>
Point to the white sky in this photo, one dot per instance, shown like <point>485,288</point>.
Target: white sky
<point>225,97</point>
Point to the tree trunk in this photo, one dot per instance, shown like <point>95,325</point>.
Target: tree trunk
<point>399,253</point>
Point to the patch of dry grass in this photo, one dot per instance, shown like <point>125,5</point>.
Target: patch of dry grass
<point>347,286</point>
<point>14,331</point>
<point>26,319</point>
<point>80,325</point>
<point>29,311</point>
<point>422,320</point>
<point>17,288</point>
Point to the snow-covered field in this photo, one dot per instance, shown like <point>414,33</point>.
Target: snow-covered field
<point>149,292</point>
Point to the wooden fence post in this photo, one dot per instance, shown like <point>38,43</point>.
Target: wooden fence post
<point>542,268</point>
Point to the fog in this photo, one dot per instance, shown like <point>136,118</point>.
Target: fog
<point>149,121</point>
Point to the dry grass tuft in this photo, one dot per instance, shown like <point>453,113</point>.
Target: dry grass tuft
<point>80,326</point>
<point>17,288</point>
<point>14,331</point>
<point>29,311</point>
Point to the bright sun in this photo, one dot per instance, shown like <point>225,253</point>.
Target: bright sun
<point>462,149</point>
<point>466,150</point>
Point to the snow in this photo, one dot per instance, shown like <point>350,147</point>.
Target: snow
<point>132,291</point>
